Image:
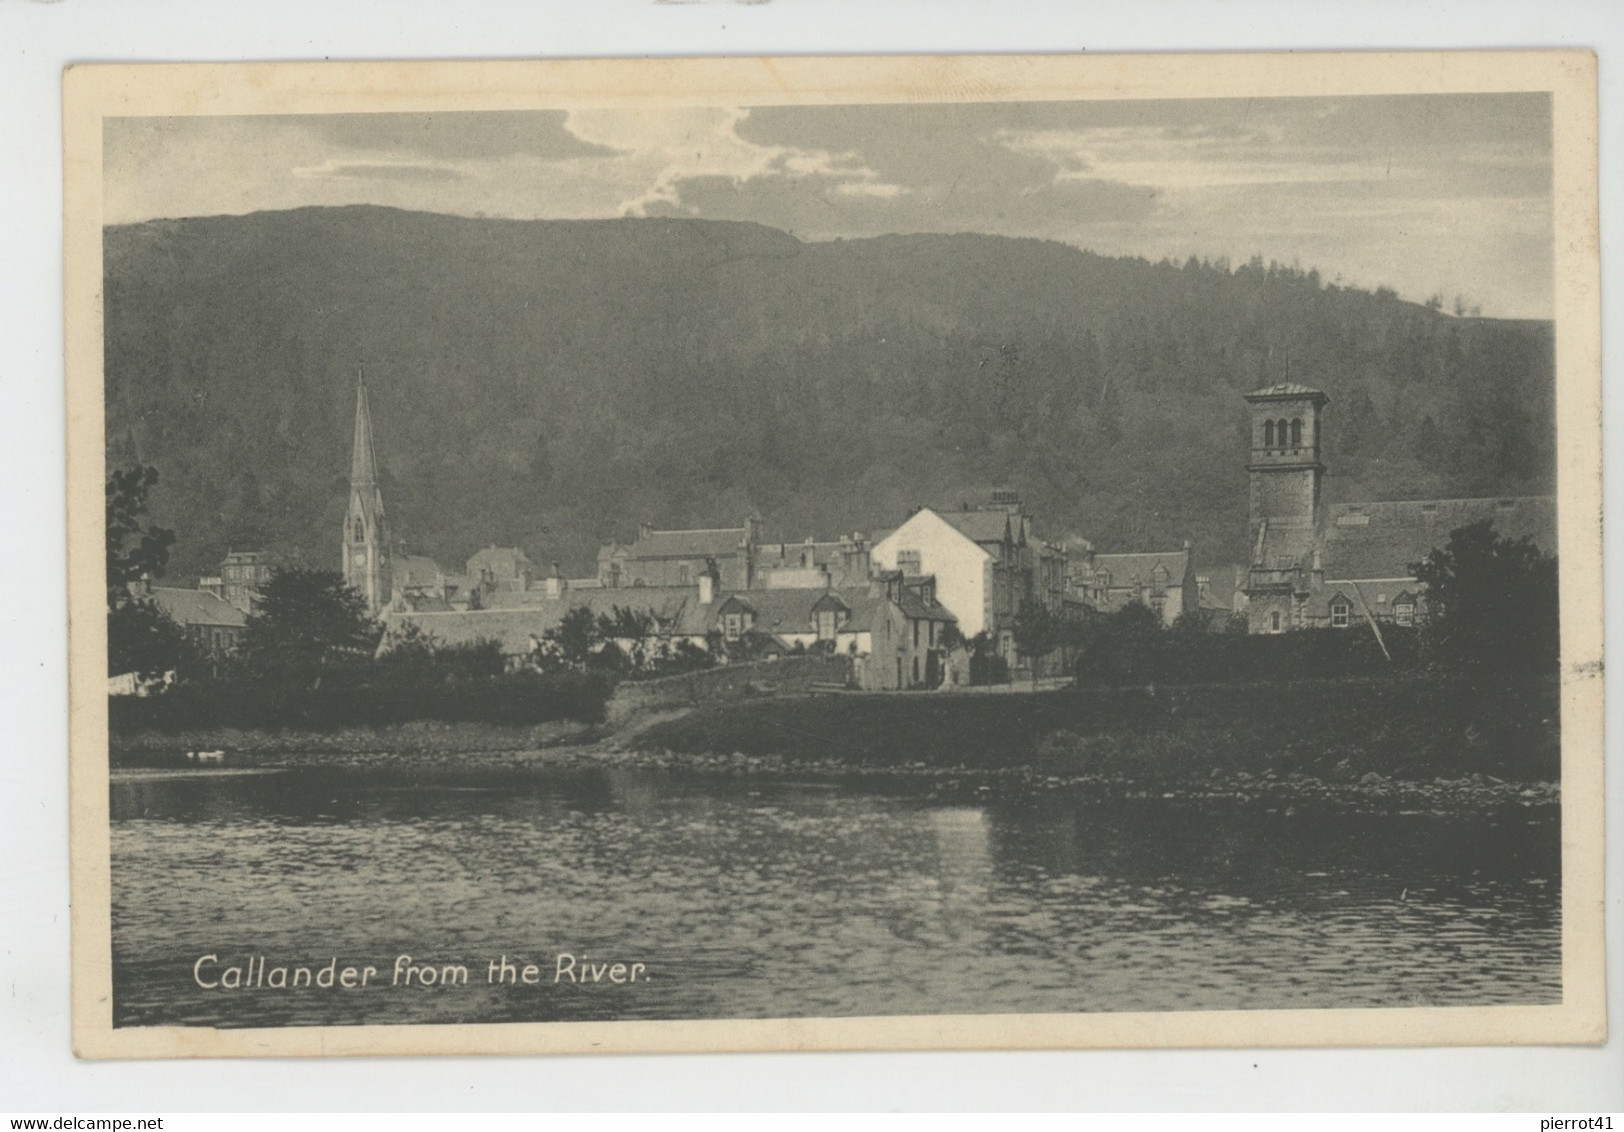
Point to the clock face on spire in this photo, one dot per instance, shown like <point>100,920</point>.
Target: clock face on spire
<point>359,558</point>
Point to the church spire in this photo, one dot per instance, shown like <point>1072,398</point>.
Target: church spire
<point>366,535</point>
<point>363,461</point>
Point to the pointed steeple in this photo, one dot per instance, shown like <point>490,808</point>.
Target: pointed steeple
<point>363,461</point>
<point>366,534</point>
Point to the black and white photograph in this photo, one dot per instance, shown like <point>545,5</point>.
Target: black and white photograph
<point>861,554</point>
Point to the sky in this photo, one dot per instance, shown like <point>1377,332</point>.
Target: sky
<point>1448,195</point>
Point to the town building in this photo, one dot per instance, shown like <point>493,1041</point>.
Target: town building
<point>214,624</point>
<point>676,557</point>
<point>1344,564</point>
<point>242,576</point>
<point>1163,581</point>
<point>895,632</point>
<point>504,568</point>
<point>986,564</point>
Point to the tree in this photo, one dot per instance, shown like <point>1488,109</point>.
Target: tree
<point>135,551</point>
<point>630,628</point>
<point>307,619</point>
<point>1491,602</point>
<point>1121,647</point>
<point>1037,631</point>
<point>143,639</point>
<point>576,636</point>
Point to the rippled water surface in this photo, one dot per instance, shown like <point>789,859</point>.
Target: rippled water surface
<point>764,897</point>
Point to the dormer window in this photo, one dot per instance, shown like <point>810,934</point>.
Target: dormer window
<point>828,623</point>
<point>1339,613</point>
<point>732,626</point>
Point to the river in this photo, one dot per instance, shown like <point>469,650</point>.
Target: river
<point>770,896</point>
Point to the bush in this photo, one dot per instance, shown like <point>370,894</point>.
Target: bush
<point>1116,656</point>
<point>988,668</point>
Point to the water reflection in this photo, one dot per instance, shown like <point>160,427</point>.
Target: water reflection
<point>749,896</point>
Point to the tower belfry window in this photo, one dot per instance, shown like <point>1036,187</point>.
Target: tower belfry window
<point>1297,432</point>
<point>360,530</point>
<point>1268,434</point>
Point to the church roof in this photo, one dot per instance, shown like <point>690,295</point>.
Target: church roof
<point>1383,540</point>
<point>1285,389</point>
<point>197,607</point>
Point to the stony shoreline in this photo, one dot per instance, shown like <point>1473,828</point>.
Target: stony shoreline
<point>1471,792</point>
<point>977,747</point>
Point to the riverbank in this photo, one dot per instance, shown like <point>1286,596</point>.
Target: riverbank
<point>1338,732</point>
<point>1387,744</point>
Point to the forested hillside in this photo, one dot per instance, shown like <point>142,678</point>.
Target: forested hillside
<point>551,383</point>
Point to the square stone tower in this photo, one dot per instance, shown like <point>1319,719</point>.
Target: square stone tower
<point>1284,503</point>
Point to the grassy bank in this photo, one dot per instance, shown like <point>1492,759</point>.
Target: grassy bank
<point>418,738</point>
<point>1336,731</point>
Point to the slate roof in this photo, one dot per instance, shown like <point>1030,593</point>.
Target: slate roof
<point>1132,569</point>
<point>197,607</point>
<point>790,611</point>
<point>979,526</point>
<point>503,560</point>
<point>1222,582</point>
<point>1383,540</point>
<point>415,570</point>
<point>780,555</point>
<point>1285,389</point>
<point>918,609</point>
<point>722,543</point>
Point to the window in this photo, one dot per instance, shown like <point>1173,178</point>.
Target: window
<point>826,624</point>
<point>1297,432</point>
<point>684,574</point>
<point>908,562</point>
<point>1404,613</point>
<point>732,626</point>
<point>1268,434</point>
<point>916,670</point>
<point>1339,614</point>
<point>1281,430</point>
<point>360,530</point>
<point>1274,621</point>
<point>916,642</point>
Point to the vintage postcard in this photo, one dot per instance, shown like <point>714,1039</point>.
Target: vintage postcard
<point>760,554</point>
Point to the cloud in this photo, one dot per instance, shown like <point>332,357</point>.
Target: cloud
<point>383,171</point>
<point>486,135</point>
<point>666,150</point>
